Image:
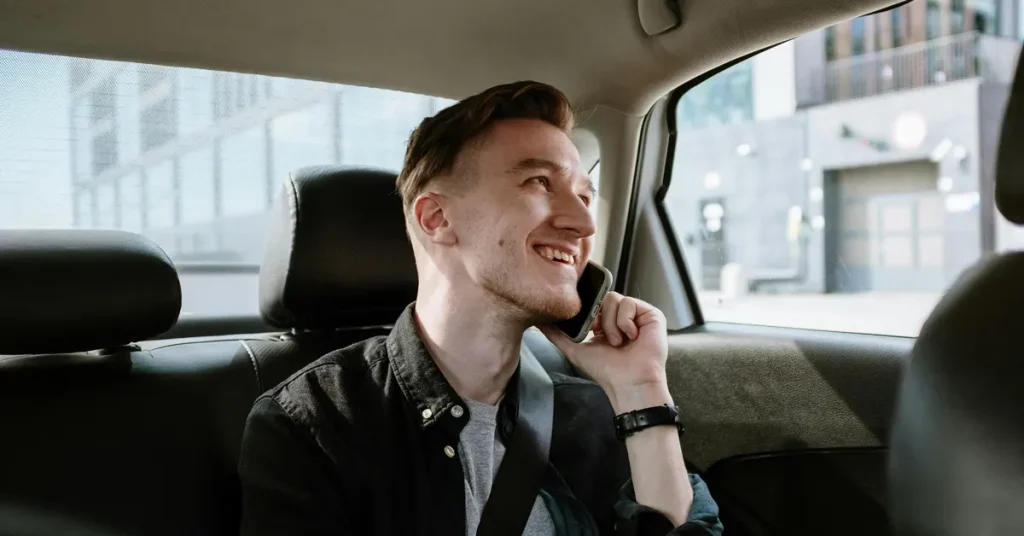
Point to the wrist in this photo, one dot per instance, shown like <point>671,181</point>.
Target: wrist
<point>628,398</point>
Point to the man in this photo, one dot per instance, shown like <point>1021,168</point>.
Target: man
<point>404,434</point>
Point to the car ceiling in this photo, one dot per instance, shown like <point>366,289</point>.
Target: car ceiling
<point>594,50</point>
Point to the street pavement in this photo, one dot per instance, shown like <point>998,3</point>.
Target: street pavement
<point>885,313</point>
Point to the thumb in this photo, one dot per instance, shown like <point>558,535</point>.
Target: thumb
<point>559,339</point>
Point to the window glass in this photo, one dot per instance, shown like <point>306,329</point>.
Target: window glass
<point>160,194</point>
<point>858,201</point>
<point>375,125</point>
<point>933,26</point>
<point>988,16</point>
<point>196,182</point>
<point>896,26</point>
<point>188,157</point>
<point>83,209</point>
<point>131,202</point>
<point>243,172</point>
<point>725,99</point>
<point>106,205</point>
<point>304,137</point>
<point>859,28</point>
<point>194,94</point>
<point>127,113</point>
<point>81,134</point>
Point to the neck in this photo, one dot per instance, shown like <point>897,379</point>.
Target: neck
<point>475,344</point>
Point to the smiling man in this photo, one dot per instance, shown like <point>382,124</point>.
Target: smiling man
<point>404,434</point>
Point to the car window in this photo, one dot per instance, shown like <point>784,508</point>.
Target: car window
<point>188,157</point>
<point>842,181</point>
<point>595,177</point>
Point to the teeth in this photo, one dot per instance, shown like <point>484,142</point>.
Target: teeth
<point>552,254</point>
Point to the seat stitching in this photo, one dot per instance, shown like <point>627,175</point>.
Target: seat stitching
<point>255,365</point>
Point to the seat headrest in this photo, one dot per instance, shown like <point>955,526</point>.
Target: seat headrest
<point>955,464</point>
<point>337,253</point>
<point>1010,159</point>
<point>78,290</point>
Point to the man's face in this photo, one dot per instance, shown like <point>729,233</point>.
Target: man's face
<point>524,227</point>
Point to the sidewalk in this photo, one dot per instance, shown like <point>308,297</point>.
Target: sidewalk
<point>887,313</point>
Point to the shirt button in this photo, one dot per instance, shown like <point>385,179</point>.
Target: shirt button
<point>427,413</point>
<point>457,412</point>
<point>449,451</point>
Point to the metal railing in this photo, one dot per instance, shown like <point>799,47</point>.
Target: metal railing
<point>938,61</point>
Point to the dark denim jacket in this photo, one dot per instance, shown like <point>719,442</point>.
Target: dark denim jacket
<point>358,442</point>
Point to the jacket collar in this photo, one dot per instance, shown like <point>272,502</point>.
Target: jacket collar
<point>425,386</point>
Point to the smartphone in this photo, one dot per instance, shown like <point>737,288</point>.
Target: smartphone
<point>592,287</point>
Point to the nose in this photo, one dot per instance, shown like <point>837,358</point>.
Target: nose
<point>572,214</point>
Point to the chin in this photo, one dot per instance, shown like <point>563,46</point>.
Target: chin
<point>552,304</point>
<point>558,308</point>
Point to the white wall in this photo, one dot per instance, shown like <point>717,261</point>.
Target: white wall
<point>774,74</point>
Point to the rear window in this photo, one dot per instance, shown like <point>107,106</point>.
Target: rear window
<point>190,158</point>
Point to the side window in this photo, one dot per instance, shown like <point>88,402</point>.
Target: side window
<point>188,157</point>
<point>838,181</point>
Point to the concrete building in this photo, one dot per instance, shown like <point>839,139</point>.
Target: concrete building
<point>193,158</point>
<point>858,158</point>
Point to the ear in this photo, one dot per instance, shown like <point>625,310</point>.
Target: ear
<point>429,217</point>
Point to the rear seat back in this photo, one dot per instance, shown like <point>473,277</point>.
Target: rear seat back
<point>95,430</point>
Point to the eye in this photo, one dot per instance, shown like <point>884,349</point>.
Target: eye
<point>540,179</point>
<point>586,200</point>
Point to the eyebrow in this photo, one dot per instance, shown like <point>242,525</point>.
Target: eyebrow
<point>529,164</point>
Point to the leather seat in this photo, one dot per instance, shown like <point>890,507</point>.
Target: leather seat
<point>100,434</point>
<point>95,431</point>
<point>956,463</point>
<point>337,268</point>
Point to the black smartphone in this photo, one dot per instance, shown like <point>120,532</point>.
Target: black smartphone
<point>592,287</point>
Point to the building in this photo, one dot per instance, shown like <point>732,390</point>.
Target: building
<point>857,158</point>
<point>193,158</point>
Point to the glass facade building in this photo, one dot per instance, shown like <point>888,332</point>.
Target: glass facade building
<point>194,158</point>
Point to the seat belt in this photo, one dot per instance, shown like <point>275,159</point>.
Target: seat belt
<point>522,468</point>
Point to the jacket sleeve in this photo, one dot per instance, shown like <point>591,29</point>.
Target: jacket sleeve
<point>635,519</point>
<point>285,478</point>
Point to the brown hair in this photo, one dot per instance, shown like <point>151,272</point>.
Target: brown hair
<point>435,144</point>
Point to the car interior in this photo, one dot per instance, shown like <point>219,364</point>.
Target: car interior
<point>122,415</point>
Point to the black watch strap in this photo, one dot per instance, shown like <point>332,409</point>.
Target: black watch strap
<point>630,423</point>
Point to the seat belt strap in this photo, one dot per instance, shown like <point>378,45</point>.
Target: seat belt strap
<point>525,462</point>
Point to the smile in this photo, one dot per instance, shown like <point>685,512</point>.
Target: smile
<point>556,255</point>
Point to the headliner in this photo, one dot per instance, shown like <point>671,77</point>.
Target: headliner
<point>594,50</point>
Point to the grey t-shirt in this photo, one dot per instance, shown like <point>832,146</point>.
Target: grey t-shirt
<point>481,451</point>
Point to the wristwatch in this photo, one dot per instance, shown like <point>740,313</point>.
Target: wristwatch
<point>630,423</point>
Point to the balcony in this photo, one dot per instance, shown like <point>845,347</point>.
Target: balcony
<point>935,62</point>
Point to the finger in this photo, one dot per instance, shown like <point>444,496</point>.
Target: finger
<point>647,314</point>
<point>609,313</point>
<point>626,319</point>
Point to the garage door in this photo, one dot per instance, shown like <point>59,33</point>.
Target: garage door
<point>891,234</point>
